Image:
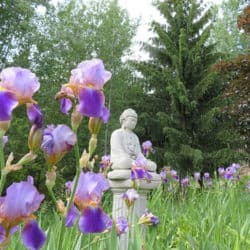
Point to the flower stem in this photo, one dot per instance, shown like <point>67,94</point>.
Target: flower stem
<point>2,165</point>
<point>52,195</point>
<point>78,171</point>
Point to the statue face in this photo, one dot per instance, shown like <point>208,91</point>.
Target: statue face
<point>129,122</point>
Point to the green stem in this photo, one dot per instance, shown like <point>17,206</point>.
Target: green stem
<point>2,165</point>
<point>78,171</point>
<point>52,195</point>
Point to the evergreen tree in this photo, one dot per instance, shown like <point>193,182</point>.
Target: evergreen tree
<point>183,94</point>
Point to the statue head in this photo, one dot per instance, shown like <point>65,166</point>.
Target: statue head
<point>128,119</point>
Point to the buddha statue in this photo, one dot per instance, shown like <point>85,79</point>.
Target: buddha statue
<point>125,145</point>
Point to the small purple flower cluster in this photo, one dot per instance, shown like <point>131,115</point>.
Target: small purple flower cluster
<point>230,173</point>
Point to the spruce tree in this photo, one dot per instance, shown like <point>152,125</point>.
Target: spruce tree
<point>184,94</point>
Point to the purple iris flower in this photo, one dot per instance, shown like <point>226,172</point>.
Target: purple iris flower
<point>92,103</point>
<point>7,103</point>
<point>105,162</point>
<point>163,175</point>
<point>174,175</point>
<point>130,196</point>
<point>90,72</point>
<point>21,82</point>
<point>87,198</point>
<point>57,140</point>
<point>221,171</point>
<point>121,225</point>
<point>147,147</point>
<point>139,169</point>
<point>197,176</point>
<point>21,201</point>
<point>206,176</point>
<point>149,219</point>
<point>185,182</point>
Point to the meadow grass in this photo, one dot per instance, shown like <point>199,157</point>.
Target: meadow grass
<point>211,219</point>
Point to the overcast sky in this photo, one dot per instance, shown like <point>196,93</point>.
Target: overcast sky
<point>147,13</point>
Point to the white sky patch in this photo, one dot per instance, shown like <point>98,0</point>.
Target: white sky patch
<point>144,10</point>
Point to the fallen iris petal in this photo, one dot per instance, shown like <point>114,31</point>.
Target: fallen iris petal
<point>65,105</point>
<point>93,220</point>
<point>91,102</point>
<point>71,216</point>
<point>33,237</point>
<point>7,104</point>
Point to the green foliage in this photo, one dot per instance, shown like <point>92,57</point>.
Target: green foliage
<point>230,41</point>
<point>51,44</point>
<point>184,92</point>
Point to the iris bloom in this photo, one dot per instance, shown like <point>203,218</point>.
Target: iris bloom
<point>121,225</point>
<point>139,169</point>
<point>185,182</point>
<point>57,141</point>
<point>21,201</point>
<point>197,176</point>
<point>87,199</point>
<point>163,175</point>
<point>86,84</point>
<point>147,147</point>
<point>20,82</point>
<point>174,175</point>
<point>148,219</point>
<point>105,162</point>
<point>130,197</point>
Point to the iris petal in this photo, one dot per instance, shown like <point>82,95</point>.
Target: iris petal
<point>65,105</point>
<point>91,102</point>
<point>33,237</point>
<point>35,115</point>
<point>94,220</point>
<point>7,104</point>
<point>71,216</point>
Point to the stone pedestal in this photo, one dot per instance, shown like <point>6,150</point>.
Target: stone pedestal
<point>120,182</point>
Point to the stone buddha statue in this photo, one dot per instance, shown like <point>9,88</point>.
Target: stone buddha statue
<point>125,145</point>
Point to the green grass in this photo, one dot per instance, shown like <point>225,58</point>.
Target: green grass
<point>215,219</point>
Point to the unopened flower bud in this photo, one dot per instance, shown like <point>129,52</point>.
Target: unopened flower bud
<point>51,177</point>
<point>4,126</point>
<point>92,144</point>
<point>76,119</point>
<point>61,207</point>
<point>95,124</point>
<point>9,167</point>
<point>84,159</point>
<point>35,138</point>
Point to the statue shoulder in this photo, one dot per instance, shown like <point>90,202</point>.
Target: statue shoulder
<point>117,132</point>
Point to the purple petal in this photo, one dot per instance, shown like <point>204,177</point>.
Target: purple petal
<point>105,115</point>
<point>35,115</point>
<point>121,225</point>
<point>91,102</point>
<point>71,216</point>
<point>90,188</point>
<point>57,141</point>
<point>21,200</point>
<point>22,82</point>
<point>2,234</point>
<point>94,220</point>
<point>91,72</point>
<point>7,104</point>
<point>33,237</point>
<point>65,105</point>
